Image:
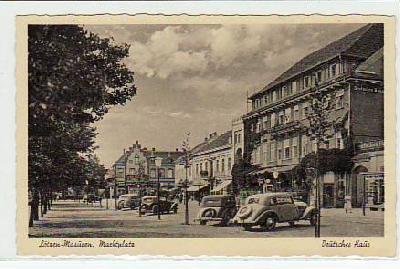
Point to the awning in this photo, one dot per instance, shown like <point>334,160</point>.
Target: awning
<point>195,188</point>
<point>221,186</point>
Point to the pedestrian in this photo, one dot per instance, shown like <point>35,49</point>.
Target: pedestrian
<point>347,203</point>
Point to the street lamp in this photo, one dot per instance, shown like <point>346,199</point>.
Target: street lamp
<point>275,174</point>
<point>157,162</point>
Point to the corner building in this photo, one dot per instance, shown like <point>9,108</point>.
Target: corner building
<point>275,130</point>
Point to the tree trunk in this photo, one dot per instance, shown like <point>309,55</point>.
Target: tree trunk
<point>44,202</point>
<point>35,205</point>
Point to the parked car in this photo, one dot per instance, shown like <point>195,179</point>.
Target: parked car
<point>270,208</point>
<point>221,208</point>
<point>131,201</point>
<point>149,205</point>
<point>91,198</point>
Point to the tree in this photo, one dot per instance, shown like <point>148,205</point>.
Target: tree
<point>317,131</point>
<point>74,76</point>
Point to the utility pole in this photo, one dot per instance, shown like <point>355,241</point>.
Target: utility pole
<point>186,149</point>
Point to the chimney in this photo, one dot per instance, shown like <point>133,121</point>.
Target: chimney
<point>206,139</point>
<point>137,142</point>
<point>177,150</point>
<point>153,149</point>
<point>124,151</point>
<point>145,149</point>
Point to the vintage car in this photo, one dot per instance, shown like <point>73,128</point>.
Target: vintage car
<point>149,205</point>
<point>131,201</point>
<point>270,208</point>
<point>219,208</point>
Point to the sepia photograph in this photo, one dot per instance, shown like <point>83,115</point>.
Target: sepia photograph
<point>205,130</point>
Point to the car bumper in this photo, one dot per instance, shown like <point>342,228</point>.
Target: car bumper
<point>208,219</point>
<point>240,221</point>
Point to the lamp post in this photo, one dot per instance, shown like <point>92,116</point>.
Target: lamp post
<point>275,174</point>
<point>158,161</point>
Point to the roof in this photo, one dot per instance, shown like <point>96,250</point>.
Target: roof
<point>219,141</point>
<point>373,65</point>
<point>360,43</point>
<point>168,157</point>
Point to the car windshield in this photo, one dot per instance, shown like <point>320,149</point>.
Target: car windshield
<point>211,201</point>
<point>253,200</point>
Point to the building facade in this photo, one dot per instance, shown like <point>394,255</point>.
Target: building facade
<point>211,164</point>
<point>276,130</point>
<point>136,168</point>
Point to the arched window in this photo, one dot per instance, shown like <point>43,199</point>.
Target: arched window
<point>170,173</point>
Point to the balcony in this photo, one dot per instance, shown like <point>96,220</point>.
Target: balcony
<point>286,128</point>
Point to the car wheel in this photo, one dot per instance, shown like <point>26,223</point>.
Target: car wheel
<point>155,209</point>
<point>142,210</point>
<point>313,219</point>
<point>270,222</point>
<point>203,222</point>
<point>291,223</point>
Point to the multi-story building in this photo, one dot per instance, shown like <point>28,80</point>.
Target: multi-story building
<point>276,129</point>
<point>136,165</point>
<point>211,163</point>
<point>237,139</point>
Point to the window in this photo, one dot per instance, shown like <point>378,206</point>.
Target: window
<point>273,120</point>
<point>307,82</point>
<point>339,102</point>
<point>206,166</point>
<point>132,171</point>
<point>296,113</point>
<point>153,173</point>
<point>318,76</point>
<point>286,146</point>
<point>170,173</point>
<point>305,110</point>
<point>197,169</point>
<point>223,165</point>
<point>130,161</point>
<point>266,99</point>
<point>229,163</point>
<point>333,70</point>
<point>294,86</point>
<point>239,138</point>
<point>272,150</point>
<point>281,118</point>
<point>285,91</point>
<point>162,172</point>
<point>136,159</point>
<point>339,143</point>
<point>288,115</point>
<point>294,146</point>
<point>235,138</point>
<point>283,200</point>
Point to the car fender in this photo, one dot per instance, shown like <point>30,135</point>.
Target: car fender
<point>307,213</point>
<point>264,214</point>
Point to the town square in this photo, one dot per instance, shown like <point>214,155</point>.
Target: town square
<point>206,131</point>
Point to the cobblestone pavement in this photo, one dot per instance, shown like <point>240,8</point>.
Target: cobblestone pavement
<point>78,220</point>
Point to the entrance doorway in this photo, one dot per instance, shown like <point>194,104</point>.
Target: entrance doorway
<point>357,185</point>
<point>328,195</point>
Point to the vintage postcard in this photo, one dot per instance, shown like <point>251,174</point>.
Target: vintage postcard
<point>246,136</point>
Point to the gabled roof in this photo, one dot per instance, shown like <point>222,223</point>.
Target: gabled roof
<point>221,140</point>
<point>372,66</point>
<point>122,158</point>
<point>360,43</point>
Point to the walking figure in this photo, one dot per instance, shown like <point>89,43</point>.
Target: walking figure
<point>347,203</point>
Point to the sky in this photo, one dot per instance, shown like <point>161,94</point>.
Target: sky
<point>195,78</point>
